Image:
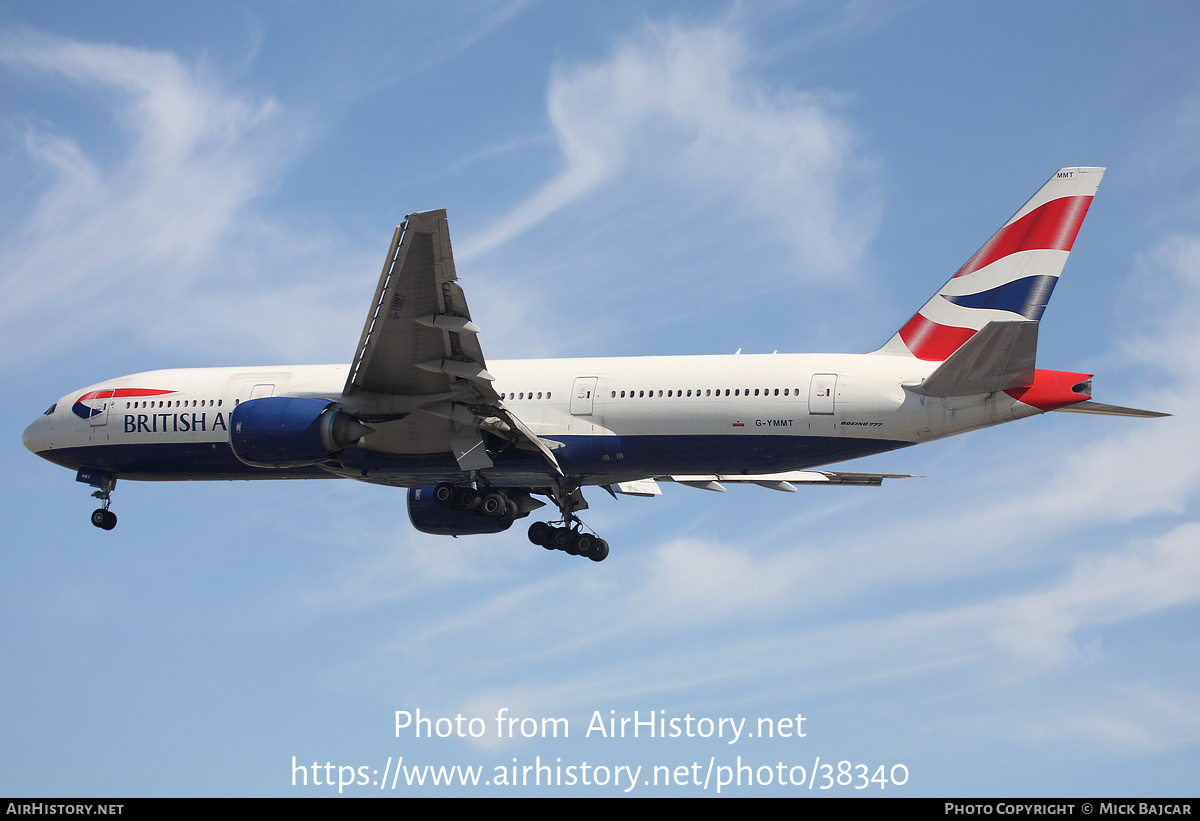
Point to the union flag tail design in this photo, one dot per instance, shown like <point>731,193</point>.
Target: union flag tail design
<point>1011,277</point>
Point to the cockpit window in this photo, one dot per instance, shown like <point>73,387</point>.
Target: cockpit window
<point>50,409</point>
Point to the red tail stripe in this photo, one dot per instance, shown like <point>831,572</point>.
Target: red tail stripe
<point>1052,226</point>
<point>933,342</point>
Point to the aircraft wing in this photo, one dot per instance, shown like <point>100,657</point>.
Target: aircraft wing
<point>785,481</point>
<point>419,377</point>
<point>418,340</point>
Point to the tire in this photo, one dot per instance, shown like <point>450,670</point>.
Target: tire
<point>467,498</point>
<point>601,551</point>
<point>494,505</point>
<point>561,538</point>
<point>539,534</point>
<point>443,494</point>
<point>100,518</point>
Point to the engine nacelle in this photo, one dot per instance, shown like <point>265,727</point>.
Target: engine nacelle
<point>430,516</point>
<point>290,431</point>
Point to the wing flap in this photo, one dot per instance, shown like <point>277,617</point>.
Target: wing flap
<point>785,481</point>
<point>640,487</point>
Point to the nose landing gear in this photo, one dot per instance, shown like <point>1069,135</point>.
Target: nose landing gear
<point>102,517</point>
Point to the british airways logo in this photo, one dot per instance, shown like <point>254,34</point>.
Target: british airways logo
<point>172,422</point>
<point>91,404</point>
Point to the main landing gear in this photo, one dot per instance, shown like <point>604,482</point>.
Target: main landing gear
<point>569,539</point>
<point>488,502</point>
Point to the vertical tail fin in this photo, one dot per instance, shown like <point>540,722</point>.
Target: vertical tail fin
<point>1011,277</point>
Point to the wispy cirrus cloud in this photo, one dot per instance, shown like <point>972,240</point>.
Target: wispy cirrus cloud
<point>680,107</point>
<point>139,222</point>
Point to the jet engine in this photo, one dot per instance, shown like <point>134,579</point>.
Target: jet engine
<point>289,431</point>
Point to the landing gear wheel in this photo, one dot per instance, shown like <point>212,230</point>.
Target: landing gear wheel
<point>600,553</point>
<point>561,539</point>
<point>104,519</point>
<point>443,494</point>
<point>539,534</point>
<point>584,544</point>
<point>467,498</point>
<point>494,505</point>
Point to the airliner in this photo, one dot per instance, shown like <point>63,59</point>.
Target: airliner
<point>476,443</point>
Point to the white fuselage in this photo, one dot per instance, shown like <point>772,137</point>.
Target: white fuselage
<point>609,419</point>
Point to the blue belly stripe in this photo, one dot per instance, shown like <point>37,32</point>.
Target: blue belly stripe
<point>587,459</point>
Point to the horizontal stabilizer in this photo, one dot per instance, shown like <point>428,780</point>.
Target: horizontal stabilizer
<point>1001,356</point>
<point>1111,410</point>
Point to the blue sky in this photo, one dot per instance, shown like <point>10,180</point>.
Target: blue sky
<point>216,184</point>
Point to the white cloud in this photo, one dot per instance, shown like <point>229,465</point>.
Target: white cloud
<point>132,234</point>
<point>1118,585</point>
<point>679,107</point>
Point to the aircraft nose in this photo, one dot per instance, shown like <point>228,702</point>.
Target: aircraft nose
<point>34,437</point>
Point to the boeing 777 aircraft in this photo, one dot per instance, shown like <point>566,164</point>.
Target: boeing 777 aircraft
<point>475,443</point>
